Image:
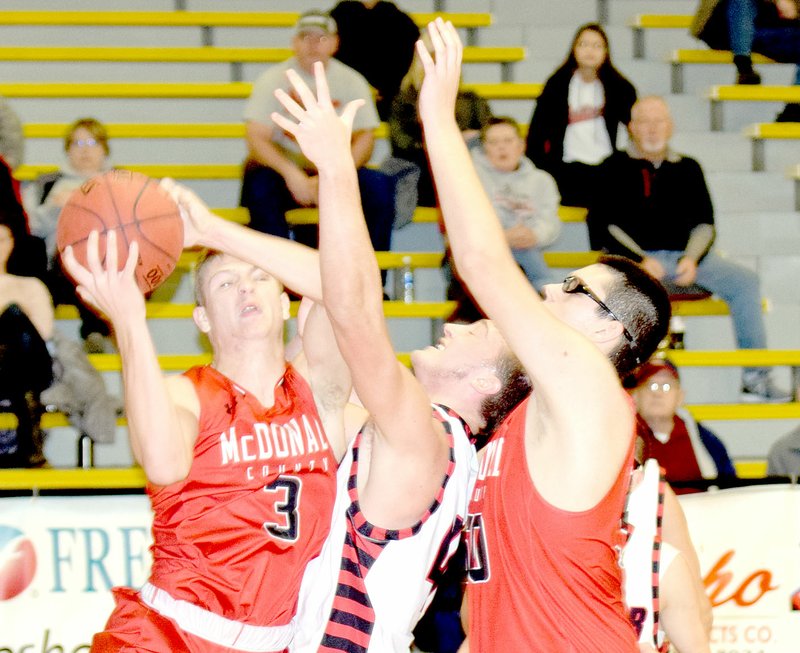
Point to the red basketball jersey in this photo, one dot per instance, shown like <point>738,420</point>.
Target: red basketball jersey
<point>235,536</point>
<point>541,578</point>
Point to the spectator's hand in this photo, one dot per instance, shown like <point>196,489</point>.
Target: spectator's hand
<point>112,291</point>
<point>60,197</point>
<point>787,9</point>
<point>685,272</point>
<point>196,216</point>
<point>437,97</point>
<point>303,187</point>
<point>521,237</point>
<point>323,136</point>
<point>652,266</point>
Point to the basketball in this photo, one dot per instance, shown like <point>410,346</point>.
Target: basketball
<point>133,205</point>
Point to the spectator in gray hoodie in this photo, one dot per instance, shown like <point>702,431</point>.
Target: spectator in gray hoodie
<point>525,198</point>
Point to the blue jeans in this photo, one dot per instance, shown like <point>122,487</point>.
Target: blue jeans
<point>735,284</point>
<point>778,43</point>
<point>265,195</point>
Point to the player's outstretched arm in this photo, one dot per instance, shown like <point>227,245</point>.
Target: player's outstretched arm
<point>162,417</point>
<point>294,265</point>
<point>681,613</point>
<point>566,368</point>
<point>675,531</point>
<point>354,300</point>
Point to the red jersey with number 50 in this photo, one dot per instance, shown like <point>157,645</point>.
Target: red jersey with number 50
<point>234,537</point>
<point>541,578</point>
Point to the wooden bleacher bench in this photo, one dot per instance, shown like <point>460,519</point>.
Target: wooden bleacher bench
<point>175,170</point>
<point>236,57</point>
<point>212,90</point>
<point>702,412</point>
<point>761,132</point>
<point>751,468</point>
<point>642,22</point>
<point>735,358</point>
<point>679,58</point>
<point>202,130</point>
<point>718,95</point>
<point>209,19</point>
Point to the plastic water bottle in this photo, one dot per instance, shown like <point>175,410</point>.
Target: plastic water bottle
<point>408,280</point>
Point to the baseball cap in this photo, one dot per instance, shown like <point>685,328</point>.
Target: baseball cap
<point>315,21</point>
<point>654,366</point>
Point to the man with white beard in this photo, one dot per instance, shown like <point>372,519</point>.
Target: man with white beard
<point>653,205</point>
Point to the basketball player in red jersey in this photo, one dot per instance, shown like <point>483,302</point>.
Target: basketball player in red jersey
<point>545,520</point>
<point>240,455</point>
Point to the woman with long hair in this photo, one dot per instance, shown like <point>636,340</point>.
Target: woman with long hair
<point>576,120</point>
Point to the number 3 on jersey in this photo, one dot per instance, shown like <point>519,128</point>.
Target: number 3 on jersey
<point>285,495</point>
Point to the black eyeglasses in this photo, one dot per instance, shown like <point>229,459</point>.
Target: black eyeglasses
<point>574,285</point>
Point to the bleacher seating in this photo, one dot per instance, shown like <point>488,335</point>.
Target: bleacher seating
<point>207,20</point>
<point>205,27</point>
<point>640,23</point>
<point>719,95</point>
<point>236,57</point>
<point>212,90</point>
<point>680,58</point>
<point>761,132</point>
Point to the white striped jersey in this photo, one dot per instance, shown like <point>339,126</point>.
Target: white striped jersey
<point>368,588</point>
<point>641,558</point>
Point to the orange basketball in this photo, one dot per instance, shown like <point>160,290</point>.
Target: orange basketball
<point>133,205</point>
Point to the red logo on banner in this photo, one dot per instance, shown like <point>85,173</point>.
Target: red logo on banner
<point>746,593</point>
<point>17,562</point>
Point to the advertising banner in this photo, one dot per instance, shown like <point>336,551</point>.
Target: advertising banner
<point>59,557</point>
<point>748,541</point>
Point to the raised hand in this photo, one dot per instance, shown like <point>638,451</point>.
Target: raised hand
<point>437,97</point>
<point>112,291</point>
<point>323,135</point>
<point>196,216</point>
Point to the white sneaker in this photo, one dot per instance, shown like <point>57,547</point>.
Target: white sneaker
<point>764,391</point>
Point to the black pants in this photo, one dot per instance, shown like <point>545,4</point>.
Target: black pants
<point>26,369</point>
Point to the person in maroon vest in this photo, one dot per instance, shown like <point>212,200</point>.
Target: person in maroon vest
<point>686,449</point>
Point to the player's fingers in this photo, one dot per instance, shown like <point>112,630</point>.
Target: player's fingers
<point>349,113</point>
<point>93,253</point>
<point>323,92</point>
<point>133,259</point>
<point>71,265</point>
<point>424,56</point>
<point>305,93</point>
<point>436,40</point>
<point>452,44</point>
<point>112,256</point>
<point>290,104</point>
<point>285,124</point>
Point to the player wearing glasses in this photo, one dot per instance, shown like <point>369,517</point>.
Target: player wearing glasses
<point>545,520</point>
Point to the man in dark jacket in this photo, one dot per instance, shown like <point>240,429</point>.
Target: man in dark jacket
<point>376,39</point>
<point>653,205</point>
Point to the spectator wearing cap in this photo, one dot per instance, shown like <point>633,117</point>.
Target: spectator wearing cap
<point>686,449</point>
<point>277,177</point>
